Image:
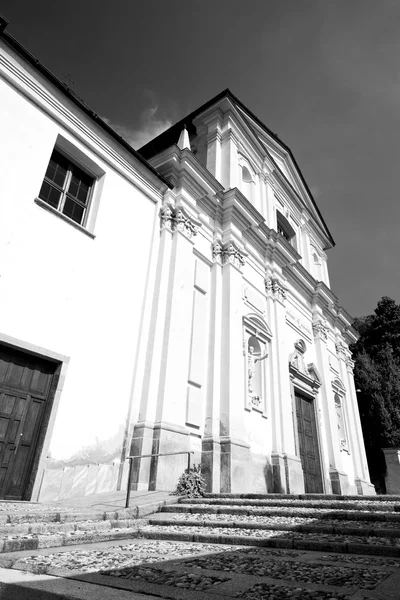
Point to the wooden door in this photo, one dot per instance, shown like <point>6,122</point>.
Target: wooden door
<point>308,444</point>
<point>25,383</point>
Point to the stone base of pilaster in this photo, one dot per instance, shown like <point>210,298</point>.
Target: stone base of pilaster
<point>166,470</point>
<point>142,443</point>
<point>211,464</point>
<point>293,474</point>
<point>235,466</point>
<point>365,488</point>
<point>392,478</point>
<point>261,474</point>
<point>279,484</point>
<point>158,473</point>
<point>340,484</point>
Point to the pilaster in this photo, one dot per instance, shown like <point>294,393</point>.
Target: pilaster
<point>163,399</point>
<point>361,471</point>
<point>330,451</point>
<point>230,161</point>
<point>235,453</point>
<point>211,461</point>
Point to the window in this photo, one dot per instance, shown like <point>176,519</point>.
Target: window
<point>283,227</point>
<point>67,188</point>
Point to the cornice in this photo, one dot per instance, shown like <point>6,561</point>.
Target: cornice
<point>183,167</point>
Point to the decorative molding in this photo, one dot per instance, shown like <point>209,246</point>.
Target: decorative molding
<point>228,253</point>
<point>301,325</point>
<point>341,350</point>
<point>350,364</point>
<point>177,219</point>
<point>320,330</point>
<point>304,377</point>
<point>217,252</point>
<point>275,289</point>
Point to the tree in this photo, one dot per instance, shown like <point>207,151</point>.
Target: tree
<point>377,379</point>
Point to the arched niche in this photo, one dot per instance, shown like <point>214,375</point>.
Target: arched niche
<point>339,398</point>
<point>256,338</point>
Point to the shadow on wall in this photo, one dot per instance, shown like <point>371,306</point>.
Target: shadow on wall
<point>92,470</point>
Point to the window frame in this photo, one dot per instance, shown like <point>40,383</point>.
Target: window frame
<point>84,163</point>
<point>284,228</point>
<point>71,169</point>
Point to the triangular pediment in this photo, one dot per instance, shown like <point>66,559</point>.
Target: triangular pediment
<point>261,147</point>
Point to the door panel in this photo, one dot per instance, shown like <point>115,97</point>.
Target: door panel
<point>24,389</point>
<point>308,444</point>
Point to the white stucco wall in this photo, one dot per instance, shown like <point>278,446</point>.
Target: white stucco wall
<point>64,291</point>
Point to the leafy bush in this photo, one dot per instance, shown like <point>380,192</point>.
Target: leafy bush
<point>191,483</point>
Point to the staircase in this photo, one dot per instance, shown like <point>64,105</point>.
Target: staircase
<point>351,524</point>
<point>220,547</point>
<point>345,524</point>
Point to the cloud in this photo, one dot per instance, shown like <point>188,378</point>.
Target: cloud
<point>150,126</point>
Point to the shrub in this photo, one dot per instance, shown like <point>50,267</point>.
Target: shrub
<point>191,483</point>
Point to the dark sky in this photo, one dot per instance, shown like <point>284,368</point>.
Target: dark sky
<point>323,74</point>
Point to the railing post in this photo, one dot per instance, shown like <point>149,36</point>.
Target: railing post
<point>189,462</point>
<point>128,491</point>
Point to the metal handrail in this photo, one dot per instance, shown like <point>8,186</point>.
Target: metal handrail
<point>132,458</point>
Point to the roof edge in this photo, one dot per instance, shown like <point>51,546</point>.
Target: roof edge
<point>26,55</point>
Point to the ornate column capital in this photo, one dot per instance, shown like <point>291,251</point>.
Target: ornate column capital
<point>350,364</point>
<point>320,330</point>
<point>217,252</point>
<point>275,289</point>
<point>341,350</point>
<point>177,219</point>
<point>228,253</point>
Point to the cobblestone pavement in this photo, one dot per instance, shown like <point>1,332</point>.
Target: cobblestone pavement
<point>171,569</point>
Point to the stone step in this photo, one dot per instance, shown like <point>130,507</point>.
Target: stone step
<point>347,544</point>
<point>288,511</point>
<point>376,499</point>
<point>34,541</point>
<point>10,529</point>
<point>334,526</point>
<point>345,504</point>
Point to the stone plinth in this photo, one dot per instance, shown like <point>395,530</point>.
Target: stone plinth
<point>392,478</point>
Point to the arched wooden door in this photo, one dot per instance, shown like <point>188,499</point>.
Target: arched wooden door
<point>25,391</point>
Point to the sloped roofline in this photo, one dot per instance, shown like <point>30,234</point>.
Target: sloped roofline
<point>170,136</point>
<point>21,51</point>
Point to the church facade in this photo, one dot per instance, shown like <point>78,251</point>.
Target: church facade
<point>170,300</point>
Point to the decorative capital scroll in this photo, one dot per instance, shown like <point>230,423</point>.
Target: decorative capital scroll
<point>166,217</point>
<point>228,254</point>
<point>176,219</point>
<point>275,289</point>
<point>217,252</point>
<point>341,350</point>
<point>350,364</point>
<point>320,330</point>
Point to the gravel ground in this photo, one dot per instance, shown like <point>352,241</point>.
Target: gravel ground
<point>265,533</point>
<point>264,591</point>
<point>255,563</point>
<point>117,556</point>
<point>361,560</point>
<point>27,507</point>
<point>188,581</point>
